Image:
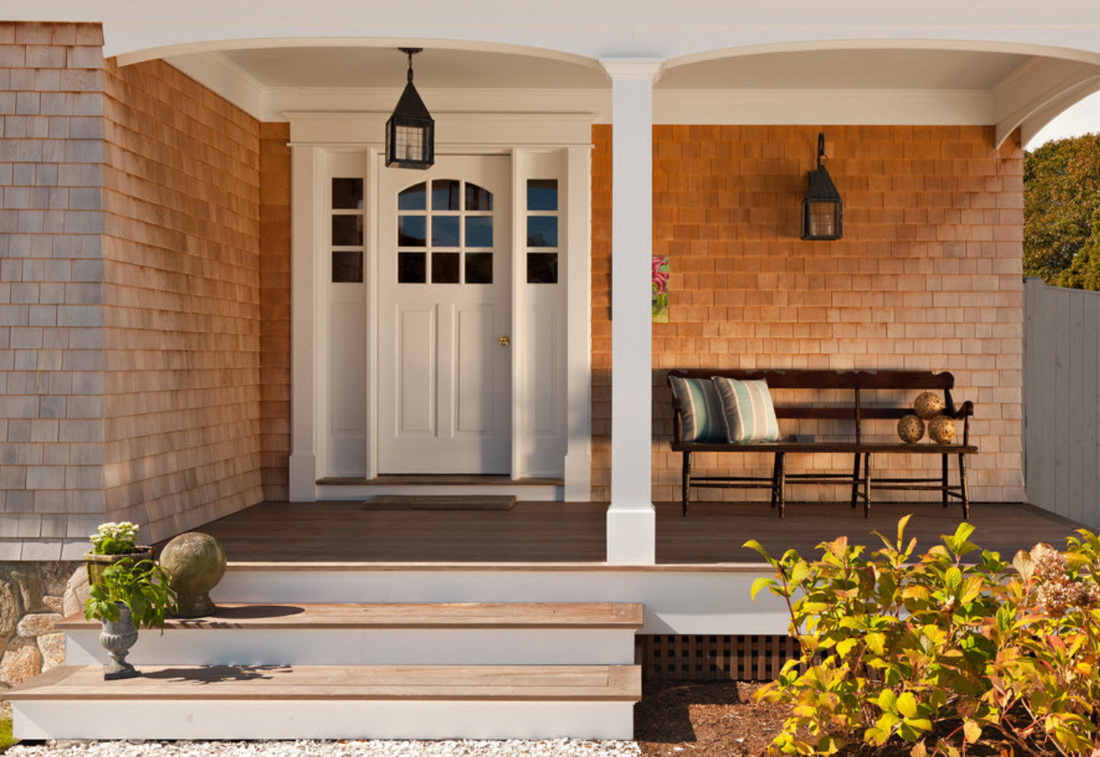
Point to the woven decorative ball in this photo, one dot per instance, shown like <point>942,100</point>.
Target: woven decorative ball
<point>941,429</point>
<point>910,429</point>
<point>928,405</point>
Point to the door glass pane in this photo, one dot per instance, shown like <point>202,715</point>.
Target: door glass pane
<point>413,198</point>
<point>478,198</point>
<point>542,231</point>
<point>479,268</point>
<point>445,195</point>
<point>347,266</point>
<point>445,231</point>
<point>542,268</point>
<point>347,194</point>
<point>347,230</point>
<point>411,267</point>
<point>411,231</point>
<point>479,231</point>
<point>445,267</point>
<point>542,194</point>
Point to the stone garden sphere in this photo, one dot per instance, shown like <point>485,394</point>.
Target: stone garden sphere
<point>910,428</point>
<point>928,405</point>
<point>196,563</point>
<point>941,429</point>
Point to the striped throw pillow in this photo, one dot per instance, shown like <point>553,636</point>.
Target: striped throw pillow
<point>700,409</point>
<point>748,410</point>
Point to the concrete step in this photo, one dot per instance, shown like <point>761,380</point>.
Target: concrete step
<point>330,702</point>
<point>372,634</point>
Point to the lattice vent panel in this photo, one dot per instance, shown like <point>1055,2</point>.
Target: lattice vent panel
<point>715,658</point>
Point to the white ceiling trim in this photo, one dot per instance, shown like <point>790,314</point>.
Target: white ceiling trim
<point>824,45</point>
<point>454,131</point>
<point>817,106</point>
<point>1027,99</point>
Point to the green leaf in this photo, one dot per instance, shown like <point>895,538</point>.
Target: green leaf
<point>907,704</point>
<point>759,584</point>
<point>887,700</point>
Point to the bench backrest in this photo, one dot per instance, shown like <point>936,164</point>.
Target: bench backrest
<point>859,383</point>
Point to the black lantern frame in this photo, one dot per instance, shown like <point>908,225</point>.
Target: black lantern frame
<point>822,208</point>
<point>410,131</point>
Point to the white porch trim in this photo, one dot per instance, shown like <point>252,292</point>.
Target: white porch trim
<point>631,519</point>
<point>523,137</point>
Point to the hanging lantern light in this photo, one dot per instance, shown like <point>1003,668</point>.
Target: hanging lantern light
<point>410,132</point>
<point>821,209</point>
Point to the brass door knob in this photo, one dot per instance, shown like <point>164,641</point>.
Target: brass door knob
<point>504,341</point>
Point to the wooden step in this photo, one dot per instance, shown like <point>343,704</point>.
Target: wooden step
<point>288,701</point>
<point>365,634</point>
<point>452,616</point>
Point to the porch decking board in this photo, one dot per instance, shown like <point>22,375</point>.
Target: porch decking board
<point>559,533</point>
<point>339,682</point>
<point>448,616</point>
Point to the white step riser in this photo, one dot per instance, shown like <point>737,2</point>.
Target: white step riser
<point>365,647</point>
<point>305,719</point>
<point>671,598</point>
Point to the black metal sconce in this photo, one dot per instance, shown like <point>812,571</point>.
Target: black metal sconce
<point>410,132</point>
<point>822,207</point>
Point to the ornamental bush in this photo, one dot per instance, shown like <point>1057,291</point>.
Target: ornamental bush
<point>940,653</point>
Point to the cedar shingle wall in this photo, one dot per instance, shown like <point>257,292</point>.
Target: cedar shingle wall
<point>928,275</point>
<point>275,308</point>
<point>182,271</point>
<point>51,291</point>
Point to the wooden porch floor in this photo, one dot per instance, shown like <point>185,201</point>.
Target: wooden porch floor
<point>557,532</point>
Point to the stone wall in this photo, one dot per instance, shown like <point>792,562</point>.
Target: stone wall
<point>31,601</point>
<point>928,275</point>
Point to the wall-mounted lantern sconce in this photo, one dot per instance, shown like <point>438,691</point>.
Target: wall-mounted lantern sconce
<point>821,210</point>
<point>410,132</point>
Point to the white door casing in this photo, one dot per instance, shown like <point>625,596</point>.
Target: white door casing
<point>550,434</point>
<point>444,294</point>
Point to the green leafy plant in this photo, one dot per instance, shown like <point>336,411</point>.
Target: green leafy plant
<point>938,652</point>
<point>142,586</point>
<point>114,538</point>
<point>6,739</point>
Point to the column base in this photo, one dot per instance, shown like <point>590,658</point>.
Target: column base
<point>631,534</point>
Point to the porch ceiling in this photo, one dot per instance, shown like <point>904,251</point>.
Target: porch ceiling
<point>843,83</point>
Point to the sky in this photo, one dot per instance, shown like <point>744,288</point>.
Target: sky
<point>1082,118</point>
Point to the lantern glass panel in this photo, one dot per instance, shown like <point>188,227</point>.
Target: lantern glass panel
<point>822,219</point>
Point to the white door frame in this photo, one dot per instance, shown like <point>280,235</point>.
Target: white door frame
<point>518,135</point>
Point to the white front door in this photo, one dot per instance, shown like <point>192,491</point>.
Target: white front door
<point>444,368</point>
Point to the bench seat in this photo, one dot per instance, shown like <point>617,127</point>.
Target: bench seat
<point>858,385</point>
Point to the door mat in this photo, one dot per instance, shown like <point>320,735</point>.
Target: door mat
<point>440,502</point>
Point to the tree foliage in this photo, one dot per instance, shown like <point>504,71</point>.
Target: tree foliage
<point>1062,212</point>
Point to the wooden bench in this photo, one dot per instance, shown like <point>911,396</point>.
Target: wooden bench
<point>857,391</point>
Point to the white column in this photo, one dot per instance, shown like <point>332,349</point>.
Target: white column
<point>631,520</point>
<point>303,339</point>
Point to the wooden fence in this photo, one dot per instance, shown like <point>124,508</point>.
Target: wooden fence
<point>1062,401</point>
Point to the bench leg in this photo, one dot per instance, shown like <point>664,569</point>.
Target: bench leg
<point>855,482</point>
<point>685,485</point>
<point>964,490</point>
<point>867,485</point>
<point>780,480</point>
<point>774,481</point>
<point>945,485</point>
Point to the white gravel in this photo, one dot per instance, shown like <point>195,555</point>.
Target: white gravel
<point>552,748</point>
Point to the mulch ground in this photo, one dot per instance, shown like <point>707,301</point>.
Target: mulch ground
<point>722,719</point>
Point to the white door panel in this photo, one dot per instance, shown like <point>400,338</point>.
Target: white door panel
<point>445,292</point>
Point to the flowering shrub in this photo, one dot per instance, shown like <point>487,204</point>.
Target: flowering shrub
<point>940,653</point>
<point>114,538</point>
